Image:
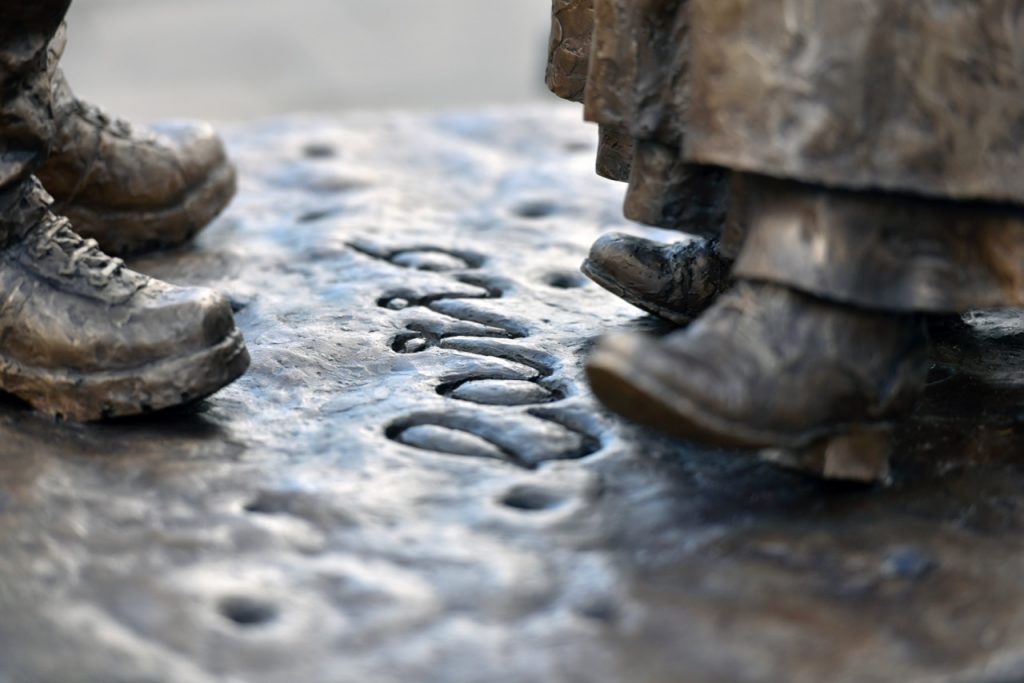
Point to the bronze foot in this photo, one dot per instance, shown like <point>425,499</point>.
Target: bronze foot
<point>767,367</point>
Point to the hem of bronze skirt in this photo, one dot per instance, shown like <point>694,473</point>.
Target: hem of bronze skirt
<point>615,149</point>
<point>880,251</point>
<point>637,97</point>
<point>572,29</point>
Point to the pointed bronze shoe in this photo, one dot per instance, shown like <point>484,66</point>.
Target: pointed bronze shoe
<point>84,338</point>
<point>767,367</point>
<point>133,189</point>
<point>676,282</point>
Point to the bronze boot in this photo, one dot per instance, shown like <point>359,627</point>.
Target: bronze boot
<point>84,338</point>
<point>676,282</point>
<point>133,189</point>
<point>767,367</point>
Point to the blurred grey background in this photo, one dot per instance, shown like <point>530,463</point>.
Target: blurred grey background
<point>245,59</point>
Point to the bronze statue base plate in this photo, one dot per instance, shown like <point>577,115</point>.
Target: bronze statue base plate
<point>412,483</point>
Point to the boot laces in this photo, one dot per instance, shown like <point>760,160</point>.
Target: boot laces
<point>81,256</point>
<point>112,124</point>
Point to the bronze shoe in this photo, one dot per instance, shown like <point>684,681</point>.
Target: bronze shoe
<point>129,188</point>
<point>767,367</point>
<point>84,338</point>
<point>676,282</point>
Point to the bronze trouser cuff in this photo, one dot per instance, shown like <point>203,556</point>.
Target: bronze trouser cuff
<point>30,46</point>
<point>615,150</point>
<point>667,192</point>
<point>880,251</point>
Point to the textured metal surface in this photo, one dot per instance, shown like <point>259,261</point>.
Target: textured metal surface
<point>408,286</point>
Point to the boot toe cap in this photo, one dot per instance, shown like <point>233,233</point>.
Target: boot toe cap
<point>196,146</point>
<point>630,263</point>
<point>181,320</point>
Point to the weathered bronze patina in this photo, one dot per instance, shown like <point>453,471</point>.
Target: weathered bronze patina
<point>676,282</point>
<point>83,336</point>
<point>628,62</point>
<point>765,367</point>
<point>130,188</point>
<point>872,149</point>
<point>353,507</point>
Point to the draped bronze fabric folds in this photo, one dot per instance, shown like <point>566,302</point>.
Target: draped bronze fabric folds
<point>896,128</point>
<point>905,107</point>
<point>922,97</point>
<point>628,63</point>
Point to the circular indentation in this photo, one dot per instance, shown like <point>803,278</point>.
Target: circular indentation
<point>319,150</point>
<point>529,498</point>
<point>500,392</point>
<point>265,504</point>
<point>564,279</point>
<point>410,343</point>
<point>603,611</point>
<point>908,563</point>
<point>535,209</point>
<point>432,260</point>
<point>247,611</point>
<point>317,215</point>
<point>448,441</point>
<point>394,303</point>
<point>418,345</point>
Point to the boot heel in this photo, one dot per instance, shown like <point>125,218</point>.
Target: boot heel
<point>860,454</point>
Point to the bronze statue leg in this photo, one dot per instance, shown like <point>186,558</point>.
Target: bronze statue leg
<point>822,341</point>
<point>873,152</point>
<point>768,367</point>
<point>27,64</point>
<point>131,189</point>
<point>85,338</point>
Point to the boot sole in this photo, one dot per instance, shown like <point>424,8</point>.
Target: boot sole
<point>593,272</point>
<point>124,232</point>
<point>635,397</point>
<point>87,397</point>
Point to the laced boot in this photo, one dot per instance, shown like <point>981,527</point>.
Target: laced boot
<point>676,282</point>
<point>133,189</point>
<point>770,368</point>
<point>82,337</point>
